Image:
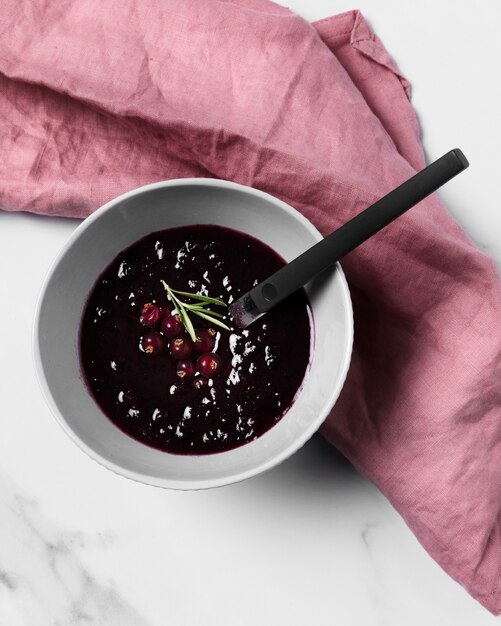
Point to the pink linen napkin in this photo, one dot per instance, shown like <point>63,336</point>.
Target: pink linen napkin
<point>98,98</point>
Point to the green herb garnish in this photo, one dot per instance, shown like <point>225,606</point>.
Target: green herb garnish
<point>198,308</point>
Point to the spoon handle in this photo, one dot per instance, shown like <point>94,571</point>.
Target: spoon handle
<point>302,269</point>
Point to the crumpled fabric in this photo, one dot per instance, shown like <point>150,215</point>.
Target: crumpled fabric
<point>97,98</point>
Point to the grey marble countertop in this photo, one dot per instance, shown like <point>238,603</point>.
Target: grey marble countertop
<point>310,542</point>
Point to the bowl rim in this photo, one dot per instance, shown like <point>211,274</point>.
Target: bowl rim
<point>191,484</point>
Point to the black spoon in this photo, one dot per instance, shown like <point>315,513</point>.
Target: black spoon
<point>325,253</point>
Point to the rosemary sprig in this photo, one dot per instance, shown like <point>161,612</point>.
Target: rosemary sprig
<point>214,313</point>
<point>197,296</point>
<point>184,308</point>
<point>211,319</point>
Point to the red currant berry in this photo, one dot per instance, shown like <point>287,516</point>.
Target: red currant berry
<point>186,369</point>
<point>172,326</point>
<point>181,348</point>
<point>206,338</point>
<point>150,315</point>
<point>209,364</point>
<point>153,344</point>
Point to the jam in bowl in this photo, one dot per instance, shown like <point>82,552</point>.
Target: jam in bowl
<point>141,394</point>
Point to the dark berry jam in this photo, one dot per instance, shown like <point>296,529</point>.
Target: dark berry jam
<point>163,389</point>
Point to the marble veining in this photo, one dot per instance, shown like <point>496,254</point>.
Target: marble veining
<point>43,580</point>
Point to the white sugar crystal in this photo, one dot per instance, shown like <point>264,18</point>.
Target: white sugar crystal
<point>159,250</point>
<point>122,269</point>
<point>234,338</point>
<point>233,378</point>
<point>216,341</point>
<point>268,356</point>
<point>180,256</point>
<point>249,347</point>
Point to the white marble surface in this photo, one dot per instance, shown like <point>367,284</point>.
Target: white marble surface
<point>310,542</point>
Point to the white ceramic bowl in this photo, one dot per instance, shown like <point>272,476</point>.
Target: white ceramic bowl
<point>93,246</point>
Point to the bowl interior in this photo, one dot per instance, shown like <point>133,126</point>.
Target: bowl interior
<point>94,245</point>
